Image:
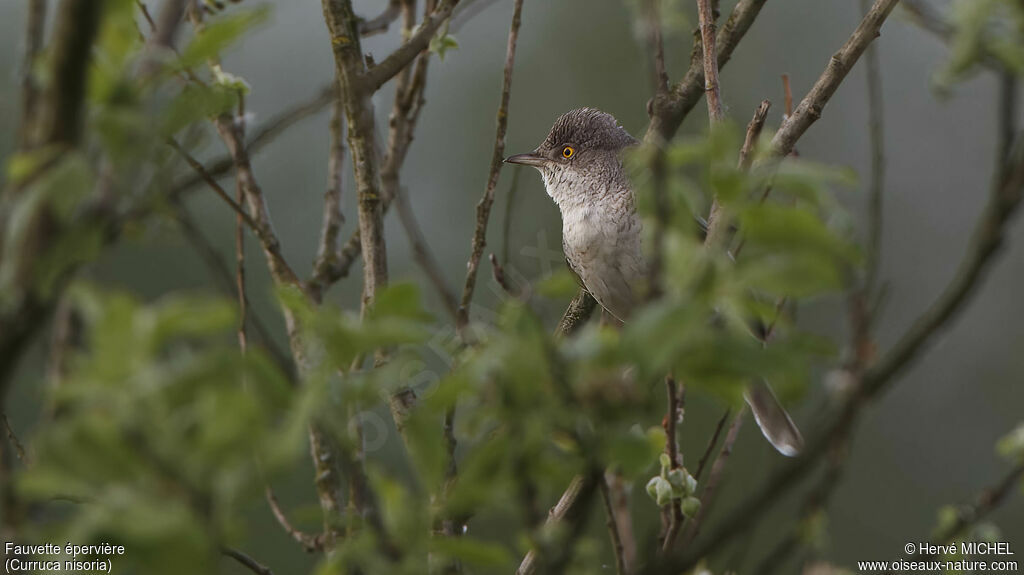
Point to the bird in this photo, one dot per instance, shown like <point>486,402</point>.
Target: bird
<point>581,164</point>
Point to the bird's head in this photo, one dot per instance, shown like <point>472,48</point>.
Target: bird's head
<point>583,145</point>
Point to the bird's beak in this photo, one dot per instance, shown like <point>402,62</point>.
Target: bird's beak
<point>532,159</point>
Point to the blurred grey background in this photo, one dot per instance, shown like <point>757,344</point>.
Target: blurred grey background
<point>926,444</point>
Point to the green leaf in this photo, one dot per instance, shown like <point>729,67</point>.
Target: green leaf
<point>441,43</point>
<point>218,34</point>
<point>196,103</point>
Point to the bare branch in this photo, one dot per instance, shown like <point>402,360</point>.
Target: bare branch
<point>248,562</point>
<point>668,113</point>
<point>375,77</point>
<point>810,108</point>
<point>483,208</point>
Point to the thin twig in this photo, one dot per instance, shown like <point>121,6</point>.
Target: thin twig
<point>263,135</point>
<point>568,499</point>
<point>327,252</point>
<point>987,501</point>
<point>668,113</point>
<point>571,508</point>
<point>810,108</point>
<point>243,298</point>
<point>656,47</point>
<point>714,478</point>
<point>483,207</point>
<point>248,562</point>
<point>267,238</point>
<point>676,516</point>
<point>613,530</point>
<point>375,77</point>
<point>717,223</point>
<point>216,187</point>
<point>227,282</point>
<point>424,257</point>
<point>243,308</point>
<point>18,447</point>
<point>711,445</point>
<point>309,542</point>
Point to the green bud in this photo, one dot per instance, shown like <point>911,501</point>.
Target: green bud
<point>652,487</point>
<point>690,506</point>
<point>660,490</point>
<point>691,483</point>
<point>665,461</point>
<point>664,492</point>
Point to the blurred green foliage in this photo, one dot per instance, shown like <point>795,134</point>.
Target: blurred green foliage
<point>163,432</point>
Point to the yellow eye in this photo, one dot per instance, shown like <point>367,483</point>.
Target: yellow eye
<point>567,152</point>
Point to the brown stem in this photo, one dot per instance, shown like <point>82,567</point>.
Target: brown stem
<point>483,207</point>
<point>675,516</point>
